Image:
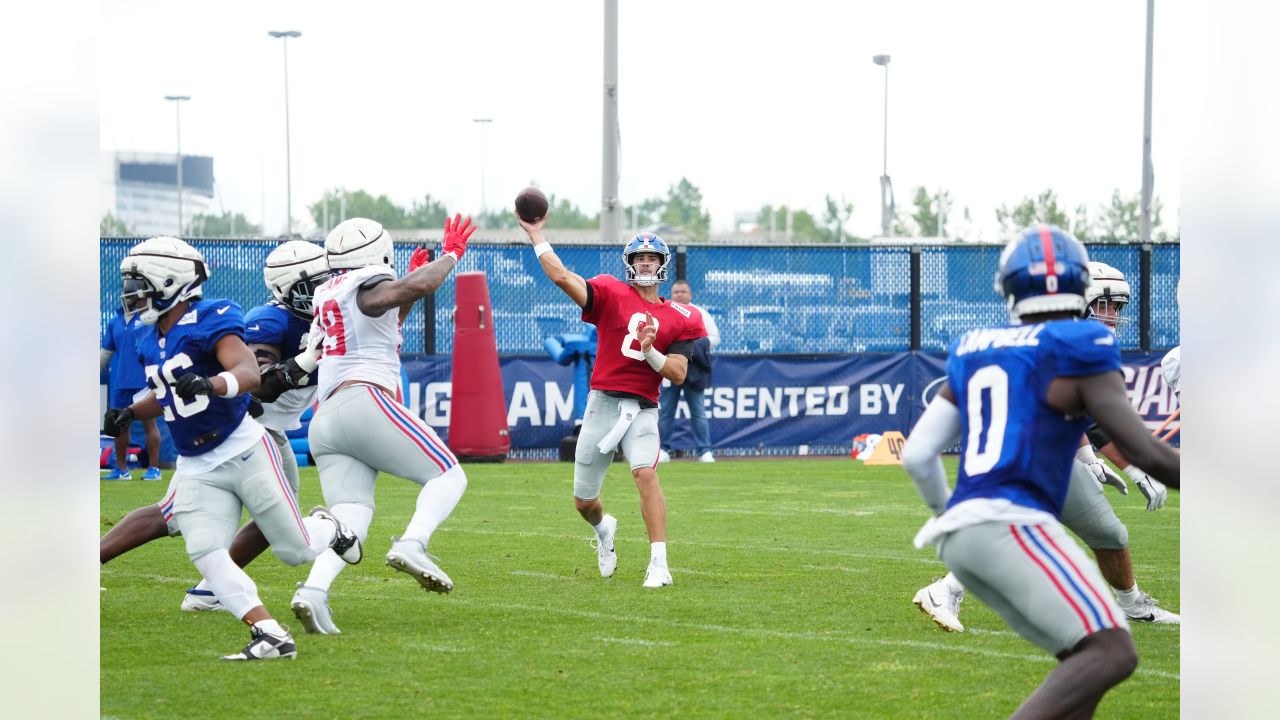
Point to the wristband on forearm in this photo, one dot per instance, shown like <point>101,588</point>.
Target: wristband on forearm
<point>543,249</point>
<point>655,359</point>
<point>233,385</point>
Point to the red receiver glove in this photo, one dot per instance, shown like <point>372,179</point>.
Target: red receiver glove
<point>456,233</point>
<point>420,257</point>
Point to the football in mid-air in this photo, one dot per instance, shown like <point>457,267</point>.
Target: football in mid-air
<point>531,205</point>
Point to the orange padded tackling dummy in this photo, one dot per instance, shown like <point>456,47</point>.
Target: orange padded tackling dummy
<point>478,417</point>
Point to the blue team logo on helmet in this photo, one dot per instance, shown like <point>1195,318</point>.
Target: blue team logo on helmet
<point>1044,269</point>
<point>646,243</point>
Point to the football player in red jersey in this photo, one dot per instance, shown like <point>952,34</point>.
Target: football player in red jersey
<point>643,339</point>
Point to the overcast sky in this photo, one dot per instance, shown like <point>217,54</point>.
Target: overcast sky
<point>754,102</point>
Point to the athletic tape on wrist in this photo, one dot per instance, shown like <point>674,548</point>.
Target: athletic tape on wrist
<point>655,359</point>
<point>543,249</point>
<point>233,385</point>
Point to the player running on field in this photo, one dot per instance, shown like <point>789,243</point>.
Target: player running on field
<point>361,428</point>
<point>277,331</point>
<point>1085,512</point>
<point>643,339</point>
<point>1017,399</point>
<point>197,365</point>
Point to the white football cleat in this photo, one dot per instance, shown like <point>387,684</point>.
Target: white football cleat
<point>345,542</point>
<point>664,456</point>
<point>657,576</point>
<point>311,606</point>
<point>605,554</point>
<point>706,457</point>
<point>198,600</point>
<point>941,604</point>
<point>1146,610</point>
<point>410,556</point>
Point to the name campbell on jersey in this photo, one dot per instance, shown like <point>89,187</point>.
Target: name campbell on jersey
<point>1014,445</point>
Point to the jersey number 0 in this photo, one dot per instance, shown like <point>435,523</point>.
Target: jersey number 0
<point>986,436</point>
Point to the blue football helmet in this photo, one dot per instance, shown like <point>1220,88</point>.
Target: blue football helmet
<point>647,243</point>
<point>1045,269</point>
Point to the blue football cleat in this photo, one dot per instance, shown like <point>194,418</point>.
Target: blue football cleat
<point>117,474</point>
<point>152,473</point>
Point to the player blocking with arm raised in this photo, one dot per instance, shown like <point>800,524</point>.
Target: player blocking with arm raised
<point>643,339</point>
<point>276,331</point>
<point>1017,399</point>
<point>361,427</point>
<point>197,366</point>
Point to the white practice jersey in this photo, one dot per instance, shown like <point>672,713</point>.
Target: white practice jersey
<point>1171,368</point>
<point>354,346</point>
<point>285,413</point>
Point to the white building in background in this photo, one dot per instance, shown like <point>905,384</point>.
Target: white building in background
<point>141,190</point>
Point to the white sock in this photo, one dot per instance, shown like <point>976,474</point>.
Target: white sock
<point>436,500</point>
<point>270,626</point>
<point>322,533</point>
<point>599,529</point>
<point>233,587</point>
<point>327,565</point>
<point>658,554</point>
<point>953,583</point>
<point>1127,598</point>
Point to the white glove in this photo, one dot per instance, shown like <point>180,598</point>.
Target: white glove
<point>1152,489</point>
<point>1100,471</point>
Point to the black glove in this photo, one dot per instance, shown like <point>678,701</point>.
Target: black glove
<point>190,385</point>
<point>276,381</point>
<point>255,407</point>
<point>117,421</point>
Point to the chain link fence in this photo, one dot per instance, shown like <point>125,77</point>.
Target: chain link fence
<point>792,299</point>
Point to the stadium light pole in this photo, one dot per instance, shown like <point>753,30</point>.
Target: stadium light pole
<point>886,186</point>
<point>288,165</point>
<point>481,122</point>
<point>177,106</point>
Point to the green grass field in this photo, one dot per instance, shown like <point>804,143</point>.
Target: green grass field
<point>793,594</point>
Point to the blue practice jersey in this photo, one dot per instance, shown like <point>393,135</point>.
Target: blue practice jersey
<point>201,424</point>
<point>1014,446</point>
<point>272,324</point>
<point>126,370</point>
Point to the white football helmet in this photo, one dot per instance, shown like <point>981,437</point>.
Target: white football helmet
<point>358,242</point>
<point>157,274</point>
<point>1107,294</point>
<point>293,272</point>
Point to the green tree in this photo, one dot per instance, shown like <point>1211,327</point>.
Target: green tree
<point>566,215</point>
<point>426,213</point>
<point>359,203</point>
<point>925,215</point>
<point>646,212</point>
<point>1041,209</point>
<point>684,210</point>
<point>1121,219</point>
<point>834,217</point>
<point>227,224</point>
<point>112,226</point>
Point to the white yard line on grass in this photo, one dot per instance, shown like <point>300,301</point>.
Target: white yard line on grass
<point>788,511</point>
<point>926,558</point>
<point>787,634</point>
<point>636,641</point>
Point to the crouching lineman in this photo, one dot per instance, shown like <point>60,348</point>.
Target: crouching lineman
<point>636,326</point>
<point>277,331</point>
<point>197,365</point>
<point>360,427</point>
<point>1017,399</point>
<point>1086,511</point>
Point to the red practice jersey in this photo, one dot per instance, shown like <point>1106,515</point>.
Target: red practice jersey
<point>617,310</point>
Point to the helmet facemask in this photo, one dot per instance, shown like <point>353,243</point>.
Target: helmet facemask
<point>1109,310</point>
<point>298,296</point>
<point>141,297</point>
<point>657,278</point>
